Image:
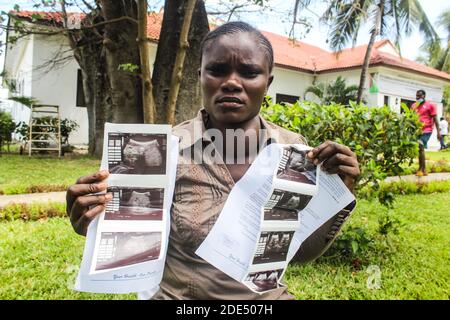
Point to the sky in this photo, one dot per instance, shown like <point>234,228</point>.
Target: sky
<point>318,34</point>
<point>273,22</point>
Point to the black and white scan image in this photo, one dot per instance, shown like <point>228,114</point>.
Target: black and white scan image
<point>264,280</point>
<point>296,166</point>
<point>272,246</point>
<point>137,153</point>
<point>119,249</point>
<point>135,204</point>
<point>285,205</point>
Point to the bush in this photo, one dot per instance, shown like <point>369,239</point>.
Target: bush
<point>382,139</point>
<point>337,92</point>
<point>67,126</point>
<point>7,126</point>
<point>32,212</point>
<point>355,241</point>
<point>411,187</point>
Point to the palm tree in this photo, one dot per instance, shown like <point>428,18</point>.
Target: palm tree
<point>384,17</point>
<point>436,55</point>
<point>337,92</point>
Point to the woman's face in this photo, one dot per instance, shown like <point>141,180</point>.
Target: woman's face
<point>234,78</point>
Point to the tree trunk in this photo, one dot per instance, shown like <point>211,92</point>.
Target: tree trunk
<point>362,79</point>
<point>148,102</point>
<point>375,32</point>
<point>177,71</point>
<point>113,95</point>
<point>121,48</point>
<point>87,48</point>
<point>189,97</point>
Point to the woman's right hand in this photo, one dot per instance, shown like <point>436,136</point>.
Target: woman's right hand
<point>79,199</point>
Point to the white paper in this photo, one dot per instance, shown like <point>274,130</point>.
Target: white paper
<point>333,196</point>
<point>126,245</point>
<point>275,206</point>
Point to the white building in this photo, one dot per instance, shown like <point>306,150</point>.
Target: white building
<point>297,66</point>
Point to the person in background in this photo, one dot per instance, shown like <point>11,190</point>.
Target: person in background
<point>427,115</point>
<point>443,124</point>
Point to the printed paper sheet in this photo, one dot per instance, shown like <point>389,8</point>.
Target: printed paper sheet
<point>126,244</point>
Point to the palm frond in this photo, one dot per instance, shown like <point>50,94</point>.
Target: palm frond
<point>318,90</point>
<point>420,18</point>
<point>345,18</point>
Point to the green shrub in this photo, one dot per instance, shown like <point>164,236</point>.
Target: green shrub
<point>411,187</point>
<point>388,224</point>
<point>337,92</point>
<point>67,127</point>
<point>32,212</point>
<point>382,139</point>
<point>7,126</point>
<point>355,241</point>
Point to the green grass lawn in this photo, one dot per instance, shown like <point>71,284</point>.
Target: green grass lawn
<point>414,263</point>
<point>22,174</point>
<point>39,259</point>
<point>436,161</point>
<point>443,155</point>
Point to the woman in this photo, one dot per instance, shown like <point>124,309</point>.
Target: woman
<point>235,74</point>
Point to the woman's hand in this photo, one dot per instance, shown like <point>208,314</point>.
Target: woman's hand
<point>339,159</point>
<point>79,199</point>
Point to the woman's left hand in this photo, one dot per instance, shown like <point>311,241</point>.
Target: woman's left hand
<point>337,158</point>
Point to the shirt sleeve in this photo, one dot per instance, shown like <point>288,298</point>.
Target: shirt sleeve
<point>433,110</point>
<point>320,240</point>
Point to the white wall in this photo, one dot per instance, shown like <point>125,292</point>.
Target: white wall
<point>56,84</point>
<point>59,86</point>
<point>289,82</point>
<point>18,66</point>
<point>352,78</point>
<point>153,48</point>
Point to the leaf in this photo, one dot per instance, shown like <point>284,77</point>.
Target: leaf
<point>355,246</point>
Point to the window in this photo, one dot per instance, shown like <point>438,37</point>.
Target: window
<point>386,101</point>
<point>80,93</point>
<point>280,98</point>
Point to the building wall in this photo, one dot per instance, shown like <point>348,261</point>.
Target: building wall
<point>352,77</point>
<point>19,69</point>
<point>57,84</point>
<point>289,82</point>
<point>58,87</point>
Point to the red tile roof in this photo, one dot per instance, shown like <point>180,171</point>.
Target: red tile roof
<point>154,23</point>
<point>298,55</point>
<point>54,18</point>
<point>354,58</point>
<point>293,54</point>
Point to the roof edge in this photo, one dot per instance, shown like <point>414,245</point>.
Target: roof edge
<point>378,64</point>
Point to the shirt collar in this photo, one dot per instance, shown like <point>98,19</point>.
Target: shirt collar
<point>191,131</point>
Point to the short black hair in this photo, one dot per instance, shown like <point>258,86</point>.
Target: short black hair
<point>422,92</point>
<point>235,27</point>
